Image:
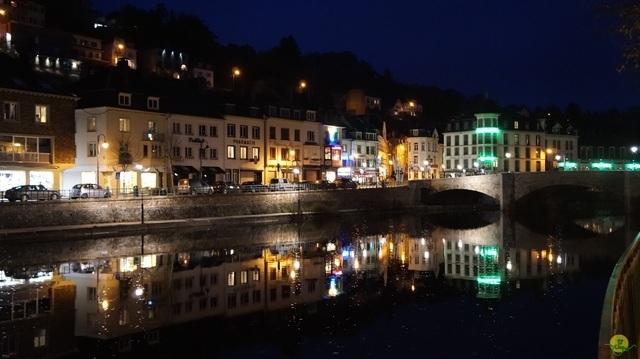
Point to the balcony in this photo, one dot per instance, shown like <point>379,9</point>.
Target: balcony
<point>152,136</point>
<point>25,157</point>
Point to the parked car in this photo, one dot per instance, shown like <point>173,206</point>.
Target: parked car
<point>281,184</point>
<point>193,186</point>
<point>225,187</point>
<point>27,192</point>
<point>254,186</point>
<point>89,190</point>
<point>345,183</point>
<point>324,184</point>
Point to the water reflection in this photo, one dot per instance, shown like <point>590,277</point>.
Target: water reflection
<point>275,290</point>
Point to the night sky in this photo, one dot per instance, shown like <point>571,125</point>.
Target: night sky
<point>533,53</point>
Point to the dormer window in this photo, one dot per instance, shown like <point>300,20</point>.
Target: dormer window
<point>124,99</point>
<point>311,115</point>
<point>153,103</point>
<point>515,125</point>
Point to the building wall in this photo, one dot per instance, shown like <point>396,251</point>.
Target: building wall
<point>59,129</point>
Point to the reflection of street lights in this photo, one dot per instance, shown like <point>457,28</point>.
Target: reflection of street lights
<point>139,168</point>
<point>105,145</point>
<point>201,154</point>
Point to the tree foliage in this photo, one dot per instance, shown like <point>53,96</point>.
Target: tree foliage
<point>627,25</point>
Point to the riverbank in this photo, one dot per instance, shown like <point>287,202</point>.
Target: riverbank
<point>65,218</point>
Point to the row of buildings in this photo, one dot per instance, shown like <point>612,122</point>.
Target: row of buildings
<point>148,116</point>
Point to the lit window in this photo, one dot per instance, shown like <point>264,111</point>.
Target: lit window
<point>91,124</point>
<point>125,125</point>
<point>231,152</point>
<point>42,114</point>
<point>40,338</point>
<point>231,279</point>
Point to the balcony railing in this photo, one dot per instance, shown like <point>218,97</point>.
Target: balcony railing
<point>152,136</point>
<point>34,157</point>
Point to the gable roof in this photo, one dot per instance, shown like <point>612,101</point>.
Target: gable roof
<point>18,76</point>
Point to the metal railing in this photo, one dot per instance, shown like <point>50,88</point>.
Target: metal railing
<point>619,311</point>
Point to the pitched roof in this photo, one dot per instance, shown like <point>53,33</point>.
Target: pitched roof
<point>17,75</point>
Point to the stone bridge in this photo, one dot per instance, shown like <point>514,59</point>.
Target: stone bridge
<point>506,188</point>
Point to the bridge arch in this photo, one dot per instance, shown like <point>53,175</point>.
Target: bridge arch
<point>507,188</point>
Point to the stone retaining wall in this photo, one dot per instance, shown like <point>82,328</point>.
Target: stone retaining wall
<point>163,208</point>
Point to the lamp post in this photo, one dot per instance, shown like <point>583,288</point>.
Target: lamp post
<point>292,157</point>
<point>201,154</point>
<point>105,145</point>
<point>427,169</point>
<point>235,72</point>
<point>506,162</point>
<point>139,168</point>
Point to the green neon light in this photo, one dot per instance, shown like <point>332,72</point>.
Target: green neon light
<point>491,251</point>
<point>490,280</point>
<point>602,165</point>
<point>632,166</point>
<point>568,164</point>
<point>487,130</point>
<point>487,158</point>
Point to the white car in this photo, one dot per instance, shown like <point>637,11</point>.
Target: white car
<point>89,190</point>
<point>281,184</point>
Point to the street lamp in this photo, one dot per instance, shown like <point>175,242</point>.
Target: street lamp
<point>105,145</point>
<point>427,169</point>
<point>235,72</point>
<point>634,149</point>
<point>296,172</point>
<point>201,153</point>
<point>506,162</point>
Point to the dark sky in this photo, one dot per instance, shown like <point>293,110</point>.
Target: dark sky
<point>535,53</point>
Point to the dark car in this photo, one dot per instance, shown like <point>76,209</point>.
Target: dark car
<point>225,187</point>
<point>31,192</point>
<point>306,185</point>
<point>253,186</point>
<point>193,186</point>
<point>345,183</point>
<point>324,184</point>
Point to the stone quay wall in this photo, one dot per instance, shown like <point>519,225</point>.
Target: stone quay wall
<point>66,212</point>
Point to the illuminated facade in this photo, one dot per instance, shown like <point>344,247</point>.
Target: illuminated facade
<point>36,129</point>
<point>424,154</point>
<point>490,142</point>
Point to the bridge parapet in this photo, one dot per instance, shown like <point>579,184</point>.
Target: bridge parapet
<point>623,293</point>
<point>508,187</point>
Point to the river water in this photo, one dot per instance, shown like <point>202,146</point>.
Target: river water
<point>353,285</point>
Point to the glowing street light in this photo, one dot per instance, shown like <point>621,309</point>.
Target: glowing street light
<point>235,72</point>
<point>105,145</point>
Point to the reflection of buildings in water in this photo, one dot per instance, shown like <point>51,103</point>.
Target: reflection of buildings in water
<point>122,299</point>
<point>30,326</point>
<point>601,225</point>
<point>488,267</point>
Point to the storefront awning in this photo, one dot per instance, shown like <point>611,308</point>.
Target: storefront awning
<point>214,170</point>
<point>184,169</point>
